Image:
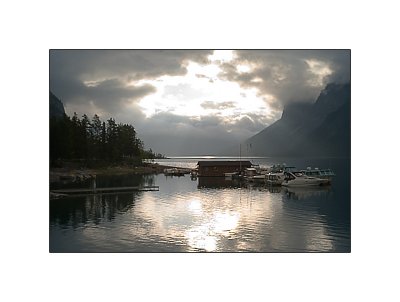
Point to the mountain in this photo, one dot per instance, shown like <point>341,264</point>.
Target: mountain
<point>321,128</point>
<point>56,106</point>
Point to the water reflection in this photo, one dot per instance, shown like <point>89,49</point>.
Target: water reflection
<point>274,189</point>
<point>208,219</point>
<point>217,182</point>
<point>107,181</point>
<point>301,193</point>
<point>210,214</point>
<point>206,235</point>
<point>81,210</point>
<point>223,182</point>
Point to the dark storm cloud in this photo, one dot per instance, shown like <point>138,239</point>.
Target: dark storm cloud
<point>287,75</point>
<point>102,76</point>
<point>112,95</point>
<point>133,64</point>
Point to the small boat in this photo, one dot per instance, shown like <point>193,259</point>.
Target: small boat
<point>251,174</point>
<point>298,179</point>
<point>275,179</point>
<point>250,171</point>
<point>193,174</point>
<point>319,173</point>
<point>174,172</point>
<point>257,178</point>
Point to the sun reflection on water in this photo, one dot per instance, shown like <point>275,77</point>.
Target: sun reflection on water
<point>206,235</point>
<point>223,219</point>
<point>194,207</point>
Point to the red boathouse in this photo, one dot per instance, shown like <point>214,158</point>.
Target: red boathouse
<point>219,168</point>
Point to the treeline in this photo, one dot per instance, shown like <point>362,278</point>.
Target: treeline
<point>95,141</point>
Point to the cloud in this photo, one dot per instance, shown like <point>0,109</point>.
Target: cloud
<point>283,76</point>
<point>132,64</point>
<point>181,92</point>
<point>217,105</point>
<point>176,134</point>
<point>111,83</point>
<point>108,79</point>
<point>202,76</point>
<point>252,123</point>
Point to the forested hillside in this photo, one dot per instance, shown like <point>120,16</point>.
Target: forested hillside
<point>95,141</point>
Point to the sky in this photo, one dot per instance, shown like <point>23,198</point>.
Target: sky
<point>192,102</point>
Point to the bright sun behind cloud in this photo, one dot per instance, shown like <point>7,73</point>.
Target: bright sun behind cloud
<point>222,55</point>
<point>200,92</point>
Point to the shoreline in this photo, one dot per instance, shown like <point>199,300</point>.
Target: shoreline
<point>57,174</point>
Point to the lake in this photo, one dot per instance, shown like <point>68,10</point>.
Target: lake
<point>206,214</point>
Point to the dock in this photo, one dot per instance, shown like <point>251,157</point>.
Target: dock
<point>88,191</point>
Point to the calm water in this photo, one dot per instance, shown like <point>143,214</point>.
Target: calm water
<point>206,214</point>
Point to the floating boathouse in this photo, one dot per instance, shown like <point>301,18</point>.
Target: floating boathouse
<point>219,168</point>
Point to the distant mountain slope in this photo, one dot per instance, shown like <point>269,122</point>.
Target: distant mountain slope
<point>56,106</point>
<point>309,129</point>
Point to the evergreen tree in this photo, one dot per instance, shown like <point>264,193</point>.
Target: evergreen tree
<point>96,137</point>
<point>85,136</point>
<point>72,138</point>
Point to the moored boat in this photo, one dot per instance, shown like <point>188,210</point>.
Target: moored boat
<point>298,179</point>
<point>193,174</point>
<point>174,172</point>
<point>257,178</point>
<point>252,175</point>
<point>319,173</point>
<point>274,179</point>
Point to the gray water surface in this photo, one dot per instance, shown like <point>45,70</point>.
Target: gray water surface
<point>205,214</point>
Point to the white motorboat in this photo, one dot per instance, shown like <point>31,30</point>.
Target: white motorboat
<point>274,179</point>
<point>299,179</point>
<point>319,173</point>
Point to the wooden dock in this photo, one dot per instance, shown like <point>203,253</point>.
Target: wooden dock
<point>104,190</point>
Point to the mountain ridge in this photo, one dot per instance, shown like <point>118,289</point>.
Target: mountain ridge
<point>56,107</point>
<point>321,128</point>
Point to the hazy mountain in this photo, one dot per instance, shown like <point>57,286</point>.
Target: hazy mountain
<point>56,106</point>
<point>321,128</point>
